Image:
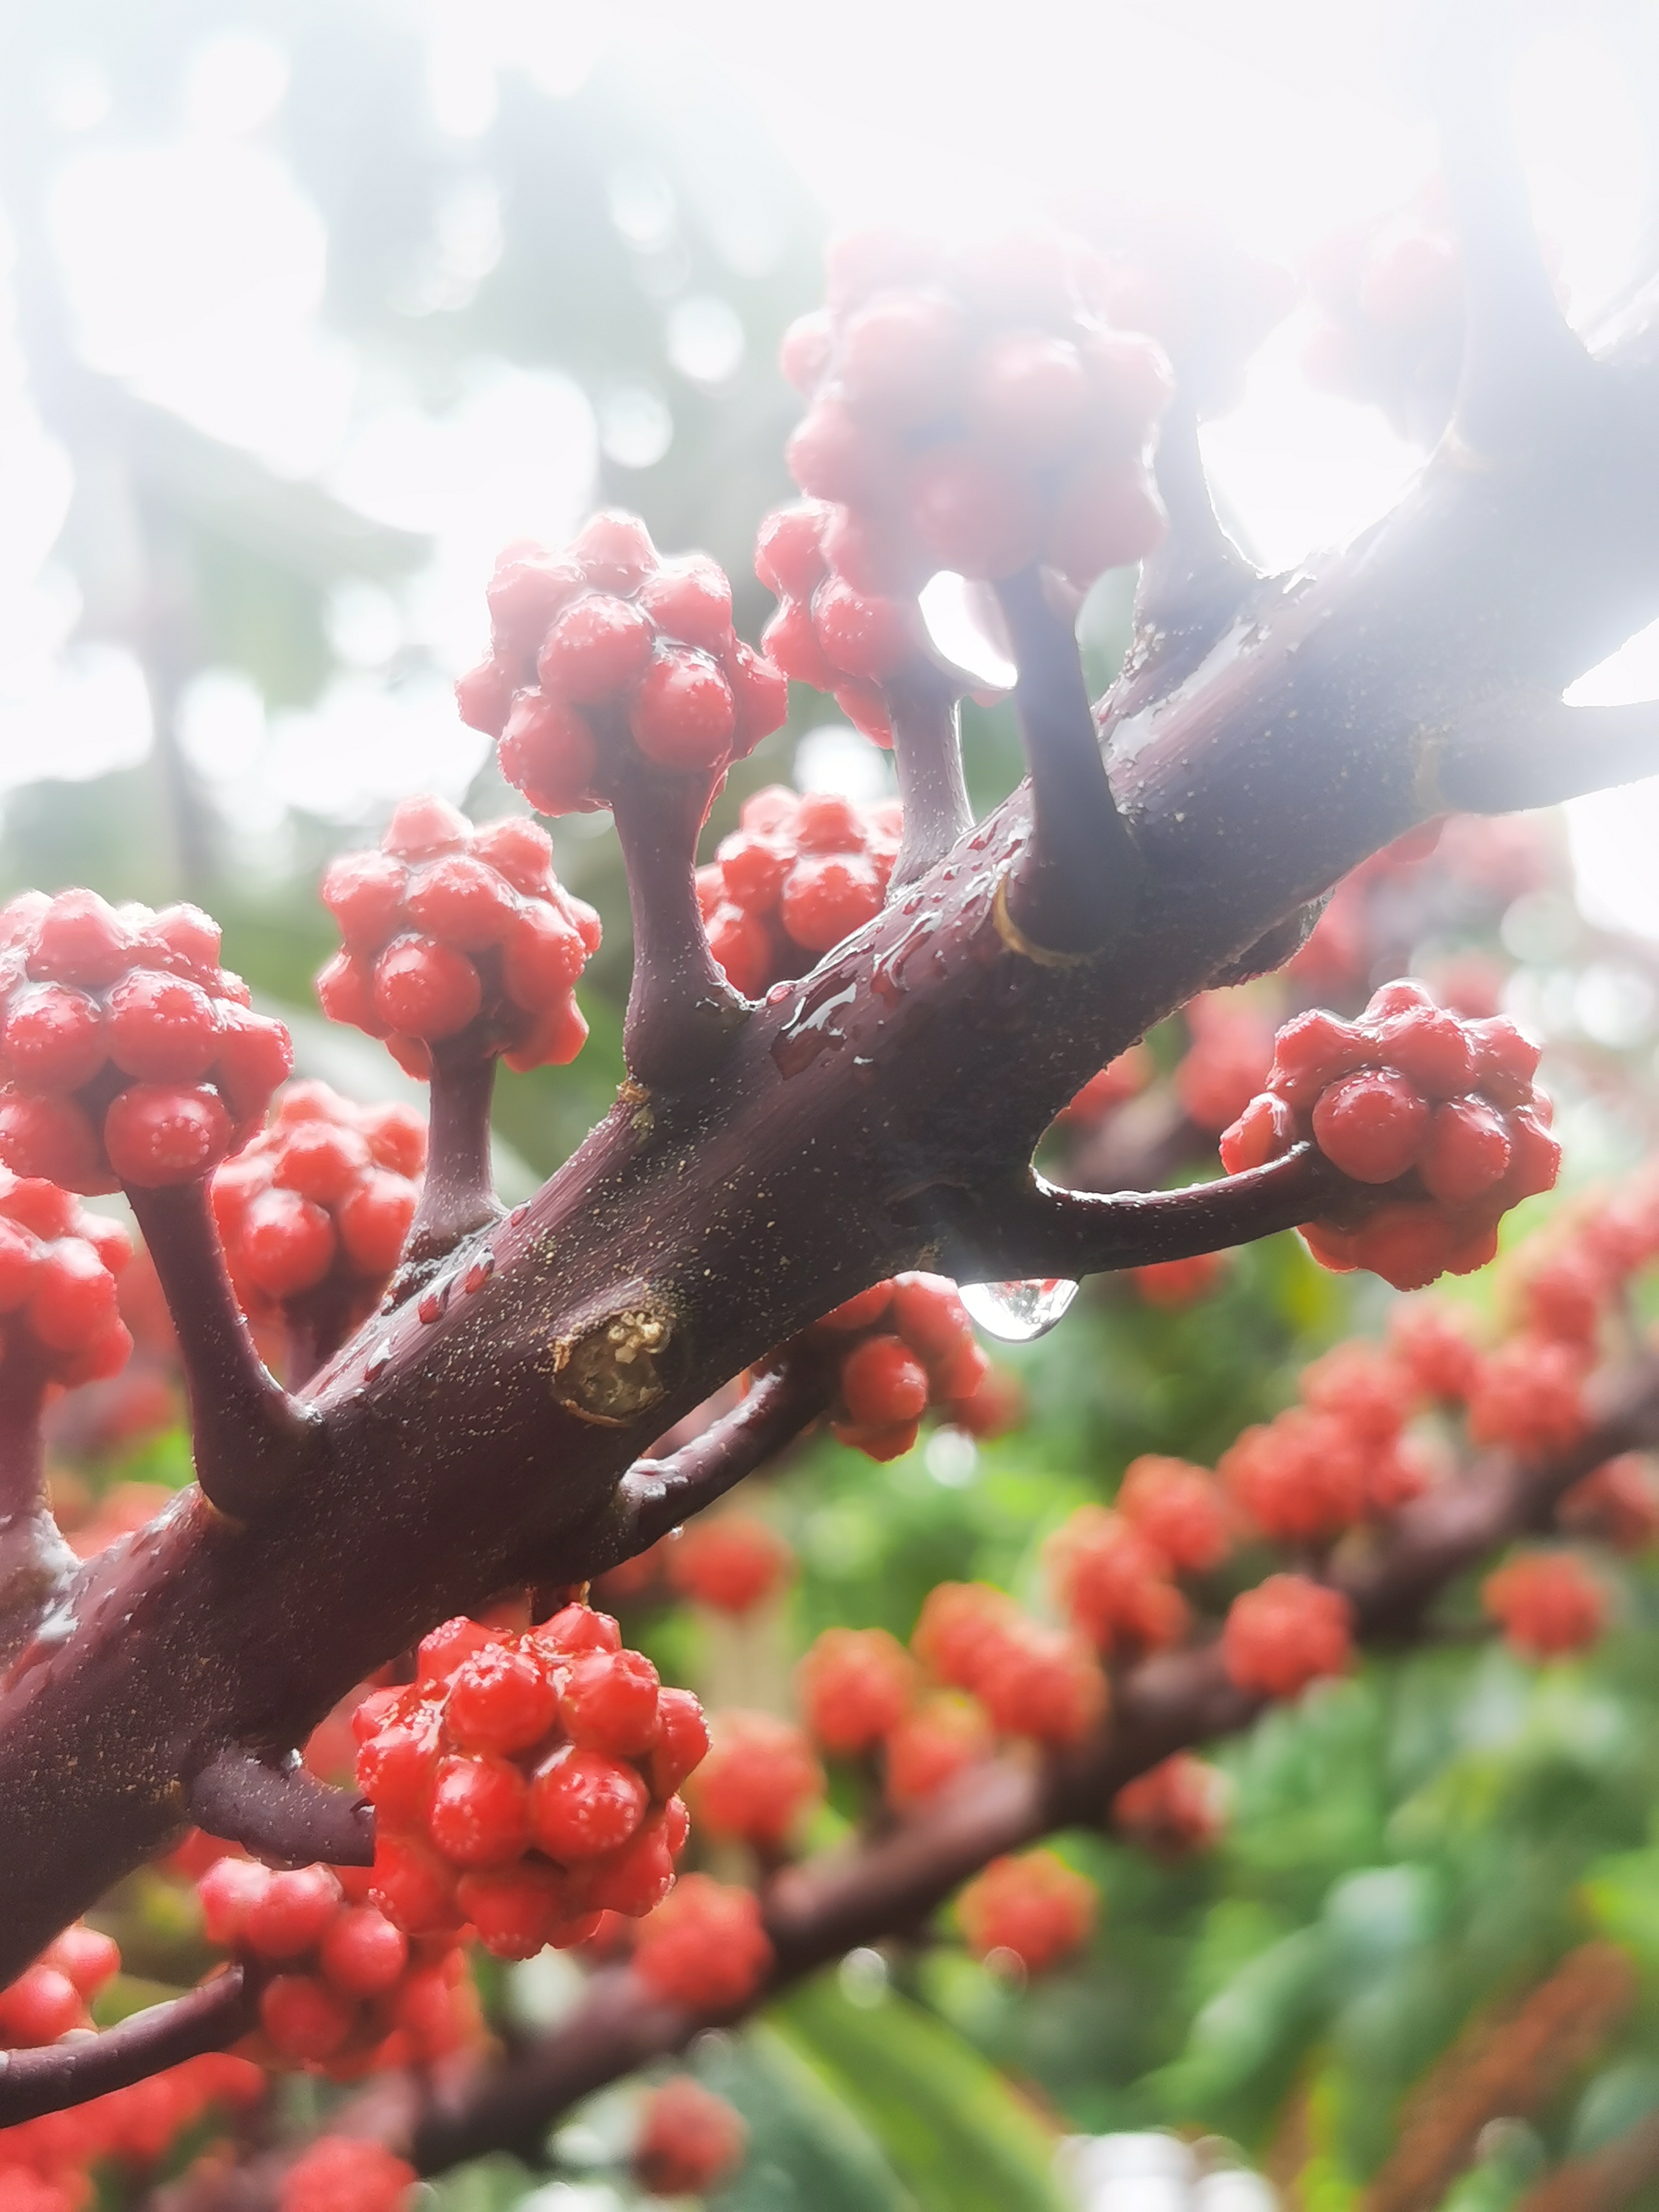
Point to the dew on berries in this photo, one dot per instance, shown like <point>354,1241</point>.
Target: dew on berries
<point>1017,1313</point>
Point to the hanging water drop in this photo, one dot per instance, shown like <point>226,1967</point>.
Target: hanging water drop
<point>1016,1312</point>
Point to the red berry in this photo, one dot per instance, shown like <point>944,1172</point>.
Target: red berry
<point>1547,1603</point>
<point>594,647</point>
<point>1528,1395</point>
<point>1178,1509</point>
<point>882,1381</point>
<point>157,1134</point>
<point>1371,1125</point>
<point>304,2018</point>
<point>548,752</point>
<point>682,715</point>
<point>80,938</point>
<point>54,1037</point>
<point>577,1628</point>
<point>609,1702</point>
<point>292,1913</point>
<point>85,1956</point>
<point>1285,1634</point>
<point>1035,1908</point>
<point>863,637</point>
<point>1467,1152</point>
<point>362,1953</point>
<point>161,1027</point>
<point>283,1244</point>
<point>426,989</point>
<point>1300,1478</point>
<point>1176,1807</point>
<point>856,1685</point>
<point>690,600</point>
<point>413,1887</point>
<point>1042,1683</point>
<point>584,1804</point>
<point>1311,1051</point>
<point>1111,1583</point>
<point>480,1811</point>
<point>227,1893</point>
<point>39,2006</point>
<point>730,1562</point>
<point>614,550</point>
<point>514,1910</point>
<point>500,1699</point>
<point>704,1947</point>
<point>758,1778</point>
<point>942,1738</point>
<point>1371,1394</point>
<point>689,2140</point>
<point>972,514</point>
<point>1265,1130</point>
<point>680,1744</point>
<point>338,2174</point>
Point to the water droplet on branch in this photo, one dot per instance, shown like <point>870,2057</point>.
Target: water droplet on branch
<point>1018,1312</point>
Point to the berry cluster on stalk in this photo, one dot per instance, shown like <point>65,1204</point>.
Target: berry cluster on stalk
<point>1410,1091</point>
<point>795,877</point>
<point>345,1990</point>
<point>451,929</point>
<point>60,1321</point>
<point>526,1783</point>
<point>127,1053</point>
<point>313,1212</point>
<point>910,1348</point>
<point>607,657</point>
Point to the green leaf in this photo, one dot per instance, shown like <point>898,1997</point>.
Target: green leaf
<point>807,2147</point>
<point>948,2122</point>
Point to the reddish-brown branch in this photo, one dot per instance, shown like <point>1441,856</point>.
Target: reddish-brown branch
<point>928,754</point>
<point>681,1009</point>
<point>458,1195</point>
<point>68,2072</point>
<point>282,1812</point>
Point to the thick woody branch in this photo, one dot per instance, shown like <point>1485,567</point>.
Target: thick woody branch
<point>251,1437</point>
<point>1533,751</point>
<point>656,1495</point>
<point>681,1009</point>
<point>928,754</point>
<point>70,2072</point>
<point>458,1196</point>
<point>282,1811</point>
<point>1073,887</point>
<point>1034,1228</point>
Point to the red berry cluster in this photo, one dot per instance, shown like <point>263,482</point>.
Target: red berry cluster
<point>351,1992</point>
<point>1284,1634</point>
<point>448,928</point>
<point>346,2174</point>
<point>944,1735</point>
<point>915,1348</point>
<point>58,1315</point>
<point>795,877</point>
<point>1113,1570</point>
<point>1172,1285</point>
<point>1227,1060</point>
<point>1391,328</point>
<point>704,1947</point>
<point>1118,1081</point>
<point>1318,1468</point>
<point>1031,1679</point>
<point>526,1783</point>
<point>127,1053</point>
<point>606,655</point>
<point>731,1562</point>
<point>972,411</point>
<point>1177,1806</point>
<point>1546,1603</point>
<point>45,2163</point>
<point>320,1201</point>
<point>1029,1911</point>
<point>1411,1090</point>
<point>844,640</point>
<point>1617,1502</point>
<point>689,2140</point>
<point>758,1780</point>
<point>856,1686</point>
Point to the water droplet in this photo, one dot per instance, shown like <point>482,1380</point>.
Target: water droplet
<point>434,1301</point>
<point>978,844</point>
<point>517,1215</point>
<point>1016,1312</point>
<point>810,1029</point>
<point>778,994</point>
<point>479,1273</point>
<point>864,1070</point>
<point>911,906</point>
<point>378,1360</point>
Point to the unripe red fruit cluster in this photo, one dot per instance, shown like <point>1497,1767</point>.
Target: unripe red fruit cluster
<point>1034,1908</point>
<point>350,1992</point>
<point>344,2173</point>
<point>45,2162</point>
<point>1390,298</point>
<point>527,1783</point>
<point>1032,1681</point>
<point>127,1053</point>
<point>1410,1089</point>
<point>58,1263</point>
<point>915,1349</point>
<point>447,927</point>
<point>704,1947</point>
<point>1225,1063</point>
<point>322,1198</point>
<point>970,412</point>
<point>731,1562</point>
<point>796,875</point>
<point>607,657</point>
<point>1177,1806</point>
<point>1112,1585</point>
<point>1529,1395</point>
<point>1617,1501</point>
<point>856,1686</point>
<point>759,1778</point>
<point>1547,1603</point>
<point>689,2140</point>
<point>1284,1634</point>
<point>1309,1473</point>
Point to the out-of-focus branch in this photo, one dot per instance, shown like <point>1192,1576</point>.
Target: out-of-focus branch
<point>921,701</point>
<point>78,2067</point>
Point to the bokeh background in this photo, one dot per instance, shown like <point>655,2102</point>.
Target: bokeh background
<point>307,308</point>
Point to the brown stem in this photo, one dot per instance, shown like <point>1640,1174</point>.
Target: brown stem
<point>458,1196</point>
<point>282,1811</point>
<point>1033,1228</point>
<point>1073,886</point>
<point>928,754</point>
<point>35,1563</point>
<point>681,1009</point>
<point>1194,583</point>
<point>251,1438</point>
<point>68,2072</point>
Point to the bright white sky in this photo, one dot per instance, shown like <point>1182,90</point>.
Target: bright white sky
<point>196,269</point>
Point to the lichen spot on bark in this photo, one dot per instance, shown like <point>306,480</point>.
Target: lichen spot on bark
<point>613,1373</point>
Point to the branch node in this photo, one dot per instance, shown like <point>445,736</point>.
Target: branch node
<point>282,1812</point>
